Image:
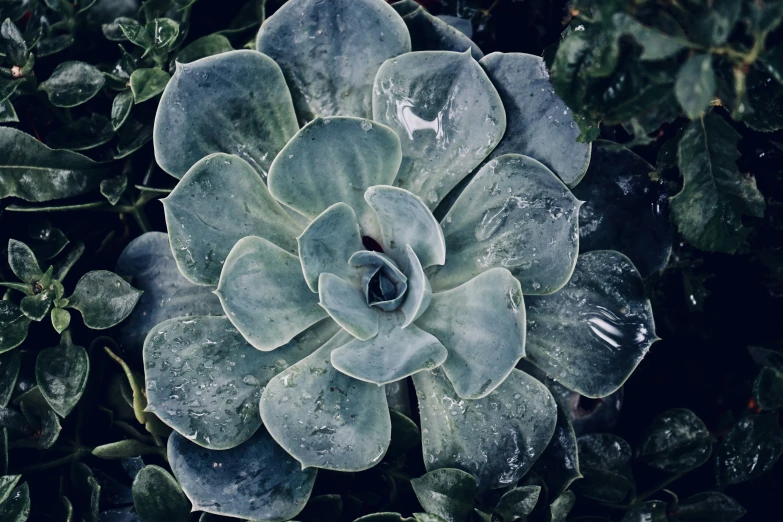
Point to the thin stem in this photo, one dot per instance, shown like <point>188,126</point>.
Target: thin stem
<point>133,432</point>
<point>139,402</point>
<point>56,463</point>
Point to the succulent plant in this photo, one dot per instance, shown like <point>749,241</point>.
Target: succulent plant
<point>334,276</point>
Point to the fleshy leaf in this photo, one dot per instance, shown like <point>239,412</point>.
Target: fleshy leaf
<point>17,507</point>
<point>264,294</point>
<point>751,447</point>
<point>561,506</point>
<point>768,388</point>
<point>521,412</point>
<point>204,380</point>
<point>482,325</point>
<point>61,373</point>
<point>710,506</point>
<point>9,371</point>
<point>539,124</point>
<point>72,83</point>
<point>146,83</point>
<point>405,220</point>
<point>624,209</point>
<point>430,33</point>
<point>23,263</point>
<point>257,480</point>
<point>393,354</point>
<point>234,102</point>
<point>649,511</point>
<point>157,497</point>
<point>359,154</point>
<point>13,326</point>
<point>150,267</point>
<point>419,293</point>
<point>324,418</point>
<point>345,303</point>
<point>676,442</point>
<point>327,244</point>
<point>36,306</point>
<point>715,195</point>
<point>695,84</point>
<point>331,51</point>
<point>517,215</point>
<point>32,171</point>
<point>605,463</point>
<point>517,503</point>
<point>219,201</point>
<point>559,464</point>
<point>448,493</point>
<point>447,113</point>
<point>103,298</point>
<point>592,334</point>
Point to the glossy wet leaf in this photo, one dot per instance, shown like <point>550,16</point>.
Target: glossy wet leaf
<point>430,33</point>
<point>405,220</point>
<point>145,83</point>
<point>235,102</point>
<point>539,124</point>
<point>482,325</point>
<point>592,334</point>
<point>360,153</point>
<point>649,511</point>
<point>558,465</point>
<point>7,485</point>
<point>324,418</point>
<point>695,85</point>
<point>61,373</point>
<point>9,371</point>
<point>447,493</point>
<point>16,507</point>
<point>330,52</point>
<point>13,40</point>
<point>282,308</point>
<point>676,442</point>
<point>158,498</point>
<point>517,503</point>
<point>624,209</point>
<point>83,134</point>
<point>346,304</point>
<point>604,460</point>
<point>715,195</point>
<point>103,298</point>
<point>710,506</point>
<point>23,263</point>
<point>393,354</point>
<point>256,480</point>
<point>32,171</point>
<point>768,388</point>
<point>221,200</point>
<point>447,113</point>
<point>148,263</point>
<point>327,244</point>
<point>72,83</point>
<point>205,46</point>
<point>454,435</point>
<point>204,380</point>
<point>515,214</point>
<point>13,326</point>
<point>752,446</point>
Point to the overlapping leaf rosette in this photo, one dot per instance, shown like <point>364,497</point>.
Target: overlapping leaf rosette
<point>334,278</point>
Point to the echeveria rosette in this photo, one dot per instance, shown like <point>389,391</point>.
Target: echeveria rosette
<point>275,220</point>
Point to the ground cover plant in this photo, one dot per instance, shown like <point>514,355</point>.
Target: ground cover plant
<point>358,260</point>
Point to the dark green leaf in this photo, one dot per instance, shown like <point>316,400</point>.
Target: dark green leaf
<point>447,493</point>
<point>112,31</point>
<point>103,298</point>
<point>768,389</point>
<point>50,430</point>
<point>61,373</point>
<point>60,319</point>
<point>148,83</point>
<point>121,108</point>
<point>64,266</point>
<point>23,263</point>
<point>710,506</point>
<point>158,498</point>
<point>559,464</point>
<point>3,450</point>
<point>714,24</point>
<point>695,85</point>
<point>604,461</point>
<point>17,507</point>
<point>650,511</point>
<point>83,134</point>
<point>518,502</point>
<point>46,241</point>
<point>9,371</point>
<point>561,506</point>
<point>676,442</point>
<point>709,209</point>
<point>751,447</point>
<point>203,47</point>
<point>48,46</point>
<point>7,485</point>
<point>13,326</point>
<point>15,46</point>
<point>133,136</point>
<point>765,97</point>
<point>113,188</point>
<point>72,83</point>
<point>7,112</point>
<point>35,307</point>
<point>405,434</point>
<point>32,171</point>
